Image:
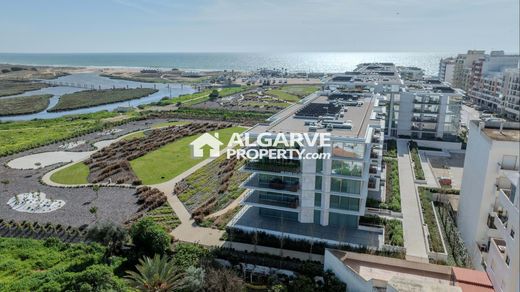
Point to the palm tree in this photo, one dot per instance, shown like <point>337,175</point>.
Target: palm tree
<point>156,274</point>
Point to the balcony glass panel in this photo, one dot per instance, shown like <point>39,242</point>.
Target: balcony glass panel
<point>344,203</point>
<point>285,215</point>
<point>348,150</point>
<point>317,199</point>
<point>317,183</point>
<point>343,220</point>
<point>275,199</point>
<point>349,168</point>
<point>345,186</point>
<point>274,165</point>
<point>317,216</point>
<point>278,182</point>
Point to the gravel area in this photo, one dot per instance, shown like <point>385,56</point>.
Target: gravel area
<point>116,204</point>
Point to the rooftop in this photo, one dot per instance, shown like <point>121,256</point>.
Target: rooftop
<point>417,275</point>
<point>510,131</point>
<point>359,116</point>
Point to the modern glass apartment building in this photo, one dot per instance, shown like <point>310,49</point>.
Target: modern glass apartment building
<point>319,199</point>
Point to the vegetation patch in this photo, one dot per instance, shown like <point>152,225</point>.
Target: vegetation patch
<point>243,117</point>
<point>14,87</point>
<point>393,192</point>
<point>24,104</point>
<point>429,218</point>
<point>417,168</point>
<point>23,135</point>
<point>220,222</point>
<point>74,174</point>
<point>212,187</point>
<point>393,228</point>
<point>391,148</point>
<point>50,265</point>
<point>89,98</point>
<point>163,215</point>
<point>173,158</point>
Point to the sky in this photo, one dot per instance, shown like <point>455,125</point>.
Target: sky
<point>63,26</point>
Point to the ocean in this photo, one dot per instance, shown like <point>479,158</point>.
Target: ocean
<point>293,62</point>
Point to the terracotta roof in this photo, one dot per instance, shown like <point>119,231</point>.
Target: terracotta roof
<point>471,280</point>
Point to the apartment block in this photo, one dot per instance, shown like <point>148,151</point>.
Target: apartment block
<point>425,109</point>
<point>446,70</point>
<point>488,214</point>
<point>410,73</point>
<point>319,199</point>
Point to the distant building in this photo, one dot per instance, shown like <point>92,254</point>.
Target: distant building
<point>488,214</point>
<point>362,272</point>
<point>411,73</point>
<point>446,70</point>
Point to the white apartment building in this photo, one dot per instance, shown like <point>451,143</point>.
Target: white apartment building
<point>426,109</point>
<point>319,199</point>
<point>446,70</point>
<point>488,214</point>
<point>376,77</point>
<point>463,64</point>
<point>511,94</point>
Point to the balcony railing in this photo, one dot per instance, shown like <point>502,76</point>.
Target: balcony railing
<point>424,119</point>
<point>425,110</point>
<point>279,203</point>
<point>274,184</point>
<point>274,166</point>
<point>427,101</point>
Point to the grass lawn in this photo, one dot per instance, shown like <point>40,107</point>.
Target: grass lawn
<point>300,90</point>
<point>24,104</point>
<point>172,159</point>
<point>13,87</point>
<point>73,175</point>
<point>88,98</point>
<point>23,135</point>
<point>283,95</point>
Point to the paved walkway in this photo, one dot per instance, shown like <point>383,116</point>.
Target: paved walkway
<point>414,240</point>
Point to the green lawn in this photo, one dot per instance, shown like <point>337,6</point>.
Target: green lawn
<point>283,95</point>
<point>73,175</point>
<point>172,159</point>
<point>133,136</point>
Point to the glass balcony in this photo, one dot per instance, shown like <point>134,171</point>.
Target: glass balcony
<point>280,183</point>
<point>427,100</point>
<point>272,199</point>
<point>274,165</point>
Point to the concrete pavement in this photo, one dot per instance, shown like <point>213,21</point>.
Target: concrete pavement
<point>414,239</point>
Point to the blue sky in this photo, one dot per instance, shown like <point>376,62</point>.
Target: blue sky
<point>258,25</point>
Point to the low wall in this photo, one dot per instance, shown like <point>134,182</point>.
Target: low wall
<point>439,144</point>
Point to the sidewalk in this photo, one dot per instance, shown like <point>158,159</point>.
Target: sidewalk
<point>414,240</point>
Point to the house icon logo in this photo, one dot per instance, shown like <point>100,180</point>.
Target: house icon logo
<point>206,140</point>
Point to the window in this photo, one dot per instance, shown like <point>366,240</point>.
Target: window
<point>317,216</point>
<point>349,168</point>
<point>342,220</point>
<point>317,199</point>
<point>344,203</point>
<point>348,150</point>
<point>317,183</point>
<point>345,186</point>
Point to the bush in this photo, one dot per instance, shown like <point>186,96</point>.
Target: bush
<point>391,148</point>
<point>429,218</point>
<point>149,238</point>
<point>393,192</point>
<point>111,235</point>
<point>414,152</point>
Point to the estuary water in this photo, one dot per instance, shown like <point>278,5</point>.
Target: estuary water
<point>92,79</point>
<point>293,62</point>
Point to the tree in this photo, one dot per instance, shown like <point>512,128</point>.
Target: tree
<point>94,278</point>
<point>109,234</point>
<point>156,274</point>
<point>223,280</point>
<point>213,95</point>
<point>149,238</point>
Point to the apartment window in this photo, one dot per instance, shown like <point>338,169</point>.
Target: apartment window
<point>348,150</point>
<point>345,185</point>
<point>349,168</point>
<point>317,216</point>
<point>317,199</point>
<point>344,203</point>
<point>317,183</point>
<point>342,220</point>
<point>319,165</point>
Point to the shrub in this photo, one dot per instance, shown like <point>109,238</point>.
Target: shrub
<point>414,152</point>
<point>149,238</point>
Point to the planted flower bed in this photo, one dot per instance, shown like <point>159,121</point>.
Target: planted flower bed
<point>393,228</point>
<point>434,239</point>
<point>417,168</point>
<point>393,192</point>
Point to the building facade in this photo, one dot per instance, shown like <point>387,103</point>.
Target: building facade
<point>488,214</point>
<point>446,70</point>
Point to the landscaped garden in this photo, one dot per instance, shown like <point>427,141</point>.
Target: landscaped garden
<point>174,158</point>
<point>19,136</point>
<point>429,219</point>
<point>89,98</point>
<point>417,168</point>
<point>393,192</point>
<point>242,117</point>
<point>24,104</point>
<point>74,174</point>
<point>391,148</point>
<point>393,228</point>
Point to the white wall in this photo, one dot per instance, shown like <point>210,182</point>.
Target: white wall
<point>355,283</point>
